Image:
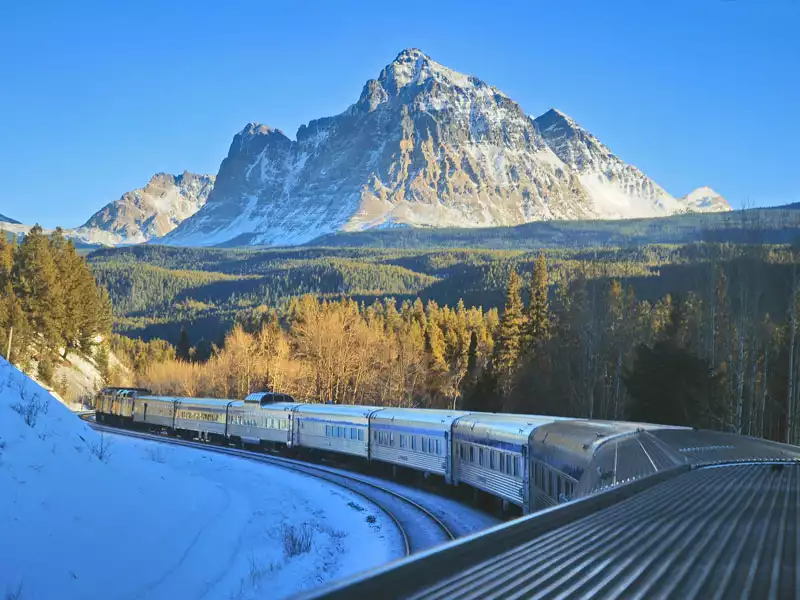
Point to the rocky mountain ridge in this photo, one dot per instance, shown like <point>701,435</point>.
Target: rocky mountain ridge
<point>424,146</point>
<point>149,212</point>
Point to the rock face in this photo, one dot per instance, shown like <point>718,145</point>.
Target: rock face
<point>423,146</point>
<point>148,212</point>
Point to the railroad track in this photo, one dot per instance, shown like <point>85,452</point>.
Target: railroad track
<point>419,527</point>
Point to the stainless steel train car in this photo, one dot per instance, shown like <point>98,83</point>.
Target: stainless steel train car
<point>207,417</point>
<point>261,421</point>
<point>336,428</point>
<point>574,457</point>
<point>491,454</point>
<point>414,438</point>
<point>155,412</point>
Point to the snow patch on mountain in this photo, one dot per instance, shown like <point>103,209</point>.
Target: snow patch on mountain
<point>704,199</point>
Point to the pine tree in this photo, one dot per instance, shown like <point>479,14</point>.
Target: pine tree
<point>669,384</point>
<point>183,347</point>
<point>36,284</point>
<point>509,336</point>
<point>537,326</point>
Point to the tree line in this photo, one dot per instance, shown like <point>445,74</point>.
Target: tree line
<point>50,304</point>
<point>721,353</point>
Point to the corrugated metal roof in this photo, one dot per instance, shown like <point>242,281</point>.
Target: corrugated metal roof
<point>720,532</point>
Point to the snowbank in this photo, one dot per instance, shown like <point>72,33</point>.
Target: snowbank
<point>88,516</point>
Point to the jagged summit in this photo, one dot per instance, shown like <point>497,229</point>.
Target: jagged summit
<point>425,146</point>
<point>148,212</point>
<point>704,199</point>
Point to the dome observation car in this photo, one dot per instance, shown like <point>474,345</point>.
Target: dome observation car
<point>264,398</point>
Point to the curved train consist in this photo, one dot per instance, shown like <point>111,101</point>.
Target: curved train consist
<point>525,460</point>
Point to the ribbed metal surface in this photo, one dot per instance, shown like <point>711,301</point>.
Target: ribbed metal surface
<point>720,532</point>
<point>709,447</point>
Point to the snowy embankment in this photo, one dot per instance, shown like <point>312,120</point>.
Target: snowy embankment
<point>89,516</point>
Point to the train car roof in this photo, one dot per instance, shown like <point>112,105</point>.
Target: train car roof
<point>208,402</point>
<point>282,406</point>
<point>504,423</point>
<point>435,416</point>
<point>345,410</point>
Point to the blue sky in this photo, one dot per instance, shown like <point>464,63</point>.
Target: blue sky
<point>96,97</point>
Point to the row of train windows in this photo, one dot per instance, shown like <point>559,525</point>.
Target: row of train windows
<point>269,423</point>
<point>353,433</point>
<point>510,464</point>
<point>197,415</point>
<point>428,445</point>
<point>551,482</point>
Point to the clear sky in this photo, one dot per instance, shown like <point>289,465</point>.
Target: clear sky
<point>97,97</point>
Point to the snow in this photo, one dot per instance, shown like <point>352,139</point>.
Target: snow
<point>145,520</point>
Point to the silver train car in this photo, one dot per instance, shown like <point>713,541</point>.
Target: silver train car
<point>261,420</point>
<point>415,438</point>
<point>207,417</point>
<point>491,454</point>
<point>157,412</point>
<point>335,428</point>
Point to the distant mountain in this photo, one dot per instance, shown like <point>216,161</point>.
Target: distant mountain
<point>5,219</point>
<point>618,190</point>
<point>704,199</point>
<point>424,146</point>
<point>148,212</point>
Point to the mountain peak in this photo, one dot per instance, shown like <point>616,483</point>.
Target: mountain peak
<point>705,199</point>
<point>5,219</point>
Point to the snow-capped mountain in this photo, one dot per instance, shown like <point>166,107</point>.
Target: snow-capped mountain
<point>423,146</point>
<point>5,219</point>
<point>618,190</point>
<point>148,212</point>
<point>704,199</point>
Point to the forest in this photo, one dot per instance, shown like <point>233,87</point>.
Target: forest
<point>703,334</point>
<point>50,304</point>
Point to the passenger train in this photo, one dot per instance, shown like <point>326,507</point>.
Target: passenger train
<point>527,461</point>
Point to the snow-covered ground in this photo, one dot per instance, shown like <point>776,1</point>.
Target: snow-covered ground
<point>88,516</point>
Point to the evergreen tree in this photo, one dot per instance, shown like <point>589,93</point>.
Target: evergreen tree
<point>537,326</point>
<point>509,336</point>
<point>184,346</point>
<point>669,384</point>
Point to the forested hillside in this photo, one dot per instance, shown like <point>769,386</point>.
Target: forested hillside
<point>50,304</point>
<point>702,334</point>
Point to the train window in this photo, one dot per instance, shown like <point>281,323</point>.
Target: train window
<point>492,454</point>
<point>472,453</point>
<point>508,464</point>
<point>516,466</point>
<point>391,438</point>
<point>374,436</point>
<point>327,430</point>
<point>430,445</point>
<point>360,435</point>
<point>439,447</point>
<point>402,441</point>
<point>413,442</point>
<point>480,456</point>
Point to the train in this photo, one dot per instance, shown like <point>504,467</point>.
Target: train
<point>527,462</point>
